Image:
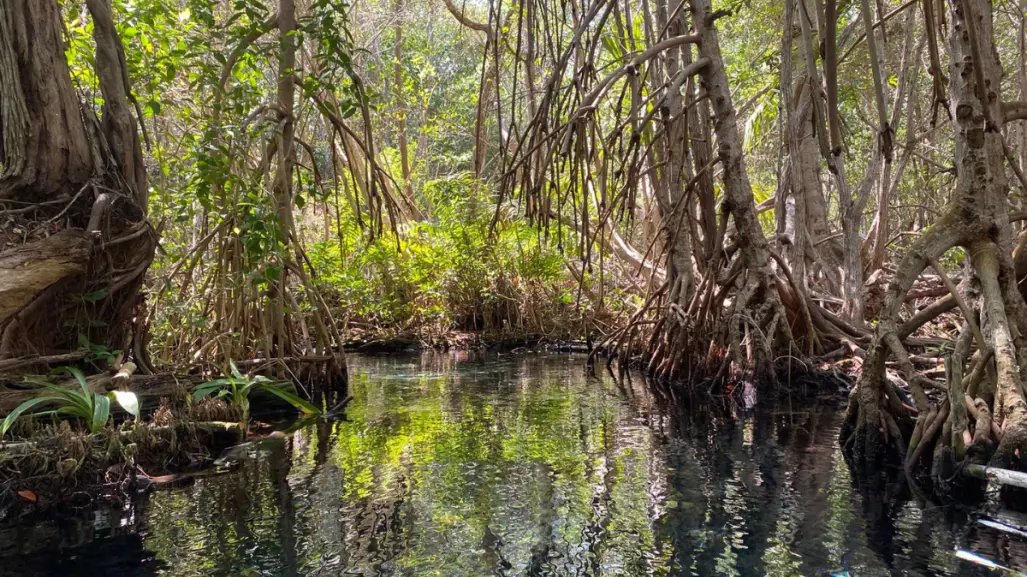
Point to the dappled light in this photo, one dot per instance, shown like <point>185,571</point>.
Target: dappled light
<point>750,276</point>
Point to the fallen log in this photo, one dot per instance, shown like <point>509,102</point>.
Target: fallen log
<point>994,474</point>
<point>22,362</point>
<point>27,270</point>
<point>148,388</point>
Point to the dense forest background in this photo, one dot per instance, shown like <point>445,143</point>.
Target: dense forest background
<point>718,193</point>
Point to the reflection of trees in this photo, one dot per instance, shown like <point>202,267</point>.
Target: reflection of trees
<point>1002,546</point>
<point>880,504</point>
<point>764,494</point>
<point>217,526</point>
<point>112,537</point>
<point>319,528</point>
<point>684,526</point>
<point>812,455</point>
<point>528,468</point>
<point>501,471</point>
<point>279,462</point>
<point>518,477</point>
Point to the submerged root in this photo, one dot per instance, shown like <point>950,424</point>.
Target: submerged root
<point>877,427</point>
<point>979,415</point>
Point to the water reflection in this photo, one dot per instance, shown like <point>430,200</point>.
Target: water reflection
<point>458,465</point>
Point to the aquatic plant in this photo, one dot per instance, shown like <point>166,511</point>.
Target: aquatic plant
<point>91,407</point>
<point>238,386</point>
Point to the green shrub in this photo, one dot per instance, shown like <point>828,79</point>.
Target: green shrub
<point>445,272</point>
<point>237,388</point>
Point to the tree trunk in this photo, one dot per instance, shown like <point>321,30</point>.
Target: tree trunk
<point>674,156</point>
<point>807,228</point>
<point>485,92</point>
<point>977,219</point>
<point>851,208</point>
<point>881,229</point>
<point>80,187</point>
<point>283,345</point>
<point>758,298</point>
<point>401,113</point>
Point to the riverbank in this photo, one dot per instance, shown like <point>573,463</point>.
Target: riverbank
<point>392,341</point>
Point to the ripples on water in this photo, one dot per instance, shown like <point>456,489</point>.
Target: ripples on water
<point>467,465</point>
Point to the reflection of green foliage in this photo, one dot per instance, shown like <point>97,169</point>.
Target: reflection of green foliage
<point>525,459</point>
<point>531,464</point>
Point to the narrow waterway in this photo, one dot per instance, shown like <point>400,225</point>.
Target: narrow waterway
<point>477,465</point>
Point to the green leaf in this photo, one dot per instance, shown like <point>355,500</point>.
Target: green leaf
<point>77,373</point>
<point>207,388</point>
<point>80,404</point>
<point>303,405</point>
<point>128,401</point>
<point>101,412</point>
<point>235,370</point>
<point>13,416</point>
<point>75,411</point>
<point>94,297</point>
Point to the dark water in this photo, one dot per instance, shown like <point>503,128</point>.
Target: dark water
<point>457,465</point>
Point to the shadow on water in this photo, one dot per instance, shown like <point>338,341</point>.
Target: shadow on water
<point>470,465</point>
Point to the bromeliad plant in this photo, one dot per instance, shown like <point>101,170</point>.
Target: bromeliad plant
<point>91,408</point>
<point>237,389</point>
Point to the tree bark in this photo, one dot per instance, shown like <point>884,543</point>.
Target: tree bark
<point>674,156</point>
<point>45,146</point>
<point>84,183</point>
<point>760,292</point>
<point>26,271</point>
<point>977,219</point>
<point>283,176</point>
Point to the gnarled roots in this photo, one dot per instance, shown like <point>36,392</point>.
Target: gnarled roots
<point>979,414</point>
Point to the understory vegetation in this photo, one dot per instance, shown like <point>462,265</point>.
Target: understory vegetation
<point>451,273</point>
<point>233,192</point>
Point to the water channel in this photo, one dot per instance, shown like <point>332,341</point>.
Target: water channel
<point>468,464</point>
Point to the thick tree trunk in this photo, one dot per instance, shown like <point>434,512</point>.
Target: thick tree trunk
<point>976,219</point>
<point>26,271</point>
<point>758,298</point>
<point>119,126</point>
<point>45,148</point>
<point>79,185</point>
